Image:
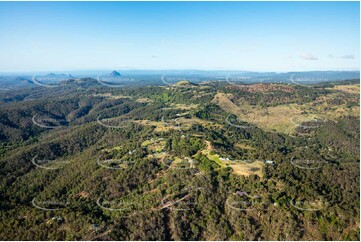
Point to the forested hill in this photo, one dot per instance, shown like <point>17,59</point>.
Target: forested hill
<point>213,160</point>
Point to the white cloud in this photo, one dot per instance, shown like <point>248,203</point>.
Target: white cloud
<point>341,57</point>
<point>348,57</point>
<point>308,56</point>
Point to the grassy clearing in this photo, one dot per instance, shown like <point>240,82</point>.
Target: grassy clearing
<point>185,106</point>
<point>238,167</point>
<point>353,89</point>
<point>144,100</point>
<point>286,118</point>
<point>159,125</point>
<point>110,96</point>
<point>146,143</point>
<point>247,169</point>
<point>178,162</point>
<point>214,157</point>
<point>154,145</point>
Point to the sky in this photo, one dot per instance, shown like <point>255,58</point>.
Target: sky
<point>250,36</point>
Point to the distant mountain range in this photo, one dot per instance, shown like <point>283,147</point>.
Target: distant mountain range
<point>52,75</point>
<point>153,77</point>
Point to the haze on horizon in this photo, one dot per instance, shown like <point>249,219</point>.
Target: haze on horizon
<point>252,36</point>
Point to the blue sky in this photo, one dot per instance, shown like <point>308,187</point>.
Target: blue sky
<point>255,36</point>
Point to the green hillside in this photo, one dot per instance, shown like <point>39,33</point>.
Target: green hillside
<point>82,161</point>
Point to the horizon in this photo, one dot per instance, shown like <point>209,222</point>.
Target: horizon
<point>209,36</point>
<point>93,72</point>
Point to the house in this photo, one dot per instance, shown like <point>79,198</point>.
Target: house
<point>57,218</point>
<point>224,159</point>
<point>191,162</point>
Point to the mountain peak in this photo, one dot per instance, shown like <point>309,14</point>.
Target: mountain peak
<point>185,83</point>
<point>115,74</point>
